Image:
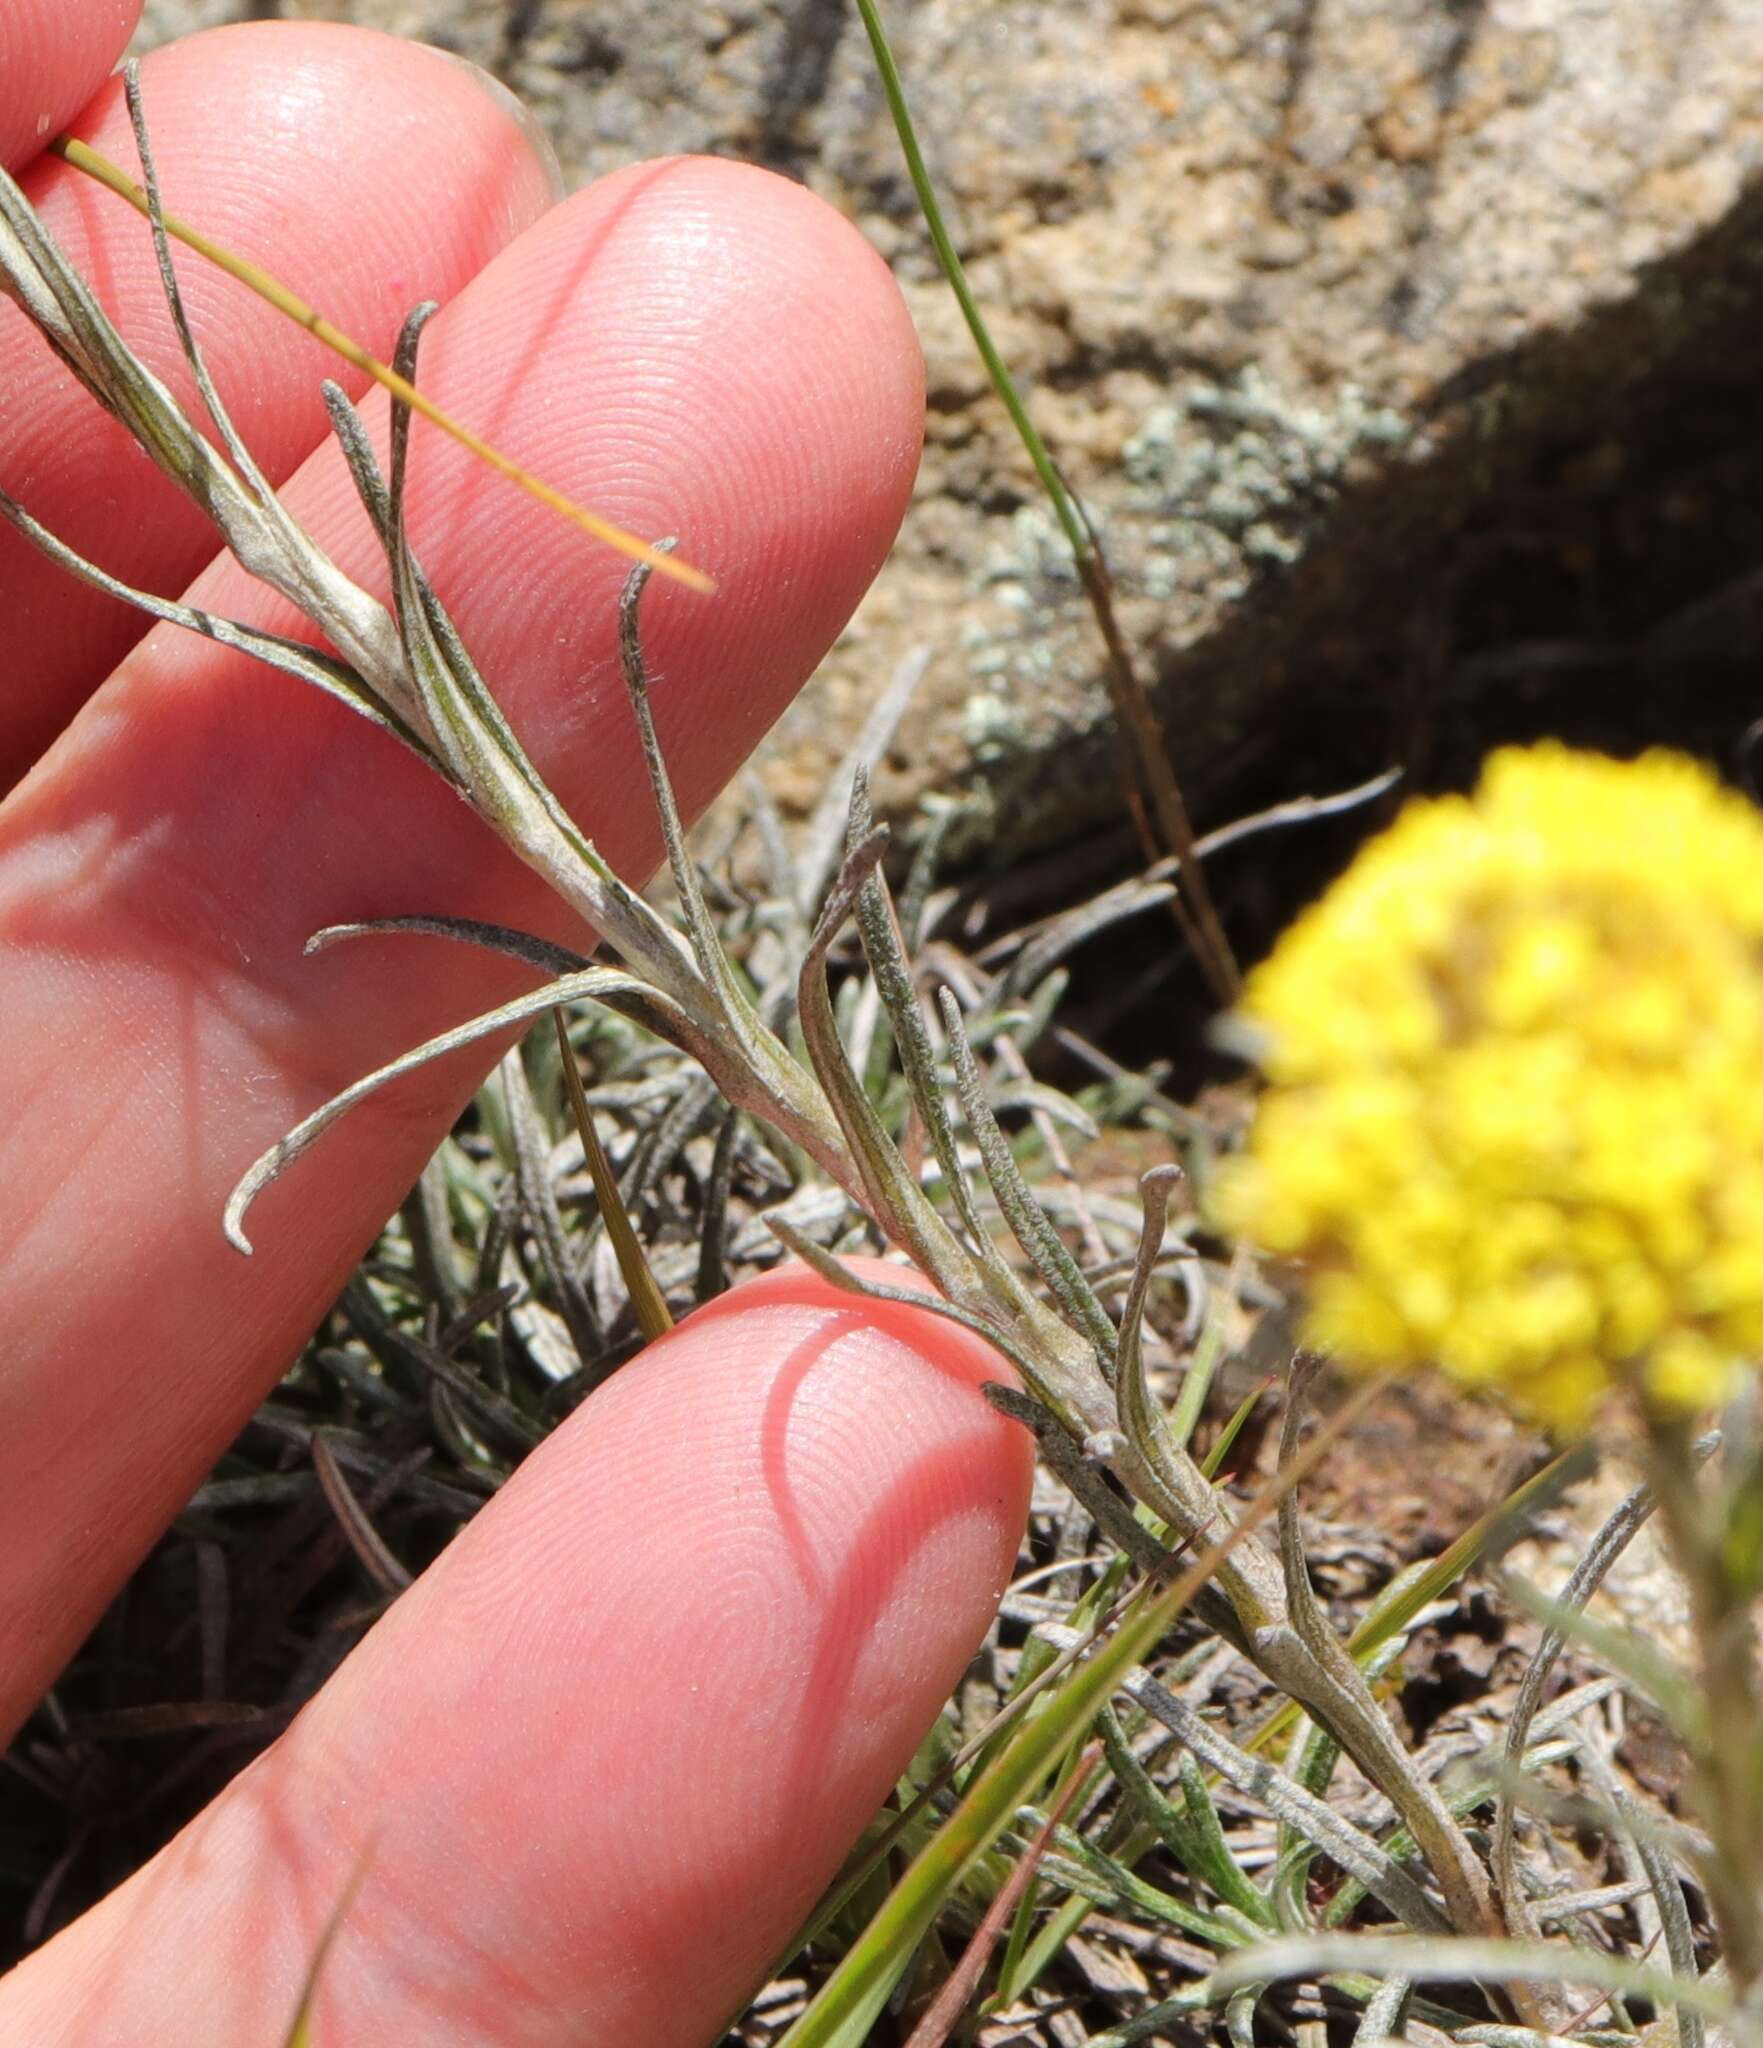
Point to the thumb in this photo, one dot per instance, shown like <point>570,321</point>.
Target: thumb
<point>600,1761</point>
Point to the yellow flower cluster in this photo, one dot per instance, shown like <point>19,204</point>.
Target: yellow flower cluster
<point>1515,1116</point>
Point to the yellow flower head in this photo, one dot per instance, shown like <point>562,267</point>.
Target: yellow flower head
<point>1515,1115</point>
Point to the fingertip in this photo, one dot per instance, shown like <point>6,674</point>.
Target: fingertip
<point>54,54</point>
<point>363,169</point>
<point>610,1749</point>
<point>757,1561</point>
<point>522,119</point>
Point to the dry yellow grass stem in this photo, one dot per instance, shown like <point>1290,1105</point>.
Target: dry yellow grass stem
<point>84,158</point>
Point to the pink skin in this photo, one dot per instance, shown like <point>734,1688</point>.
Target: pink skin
<point>603,1758</point>
<point>53,56</point>
<point>563,1835</point>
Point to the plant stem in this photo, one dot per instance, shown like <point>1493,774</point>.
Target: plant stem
<point>1729,1784</point>
<point>1145,736</point>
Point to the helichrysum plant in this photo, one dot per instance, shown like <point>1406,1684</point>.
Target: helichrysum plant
<point>1087,1393</point>
<point>1513,1126</point>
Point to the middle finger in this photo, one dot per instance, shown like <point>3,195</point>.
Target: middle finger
<point>367,172</point>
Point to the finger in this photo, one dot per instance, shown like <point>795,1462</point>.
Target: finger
<point>368,173</point>
<point>690,346</point>
<point>601,1760</point>
<point>53,56</point>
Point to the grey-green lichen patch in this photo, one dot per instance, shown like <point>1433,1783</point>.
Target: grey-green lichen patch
<point>1237,475</point>
<point>990,728</point>
<point>1029,551</point>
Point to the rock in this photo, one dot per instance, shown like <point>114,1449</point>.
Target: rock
<point>1401,349</point>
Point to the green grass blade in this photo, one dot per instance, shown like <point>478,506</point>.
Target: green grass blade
<point>875,1960</point>
<point>1064,505</point>
<point>878,1955</point>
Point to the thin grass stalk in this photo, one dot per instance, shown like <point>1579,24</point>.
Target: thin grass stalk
<point>1140,1413</point>
<point>1660,1913</point>
<point>532,1182</point>
<point>299,2033</point>
<point>883,946</point>
<point>1131,704</point>
<point>893,1198</point>
<point>1028,1221</point>
<point>1443,1959</point>
<point>82,157</point>
<point>1607,1546</point>
<point>1190,1402</point>
<point>713,1225</point>
<point>1014,1899</point>
<point>854,1994</point>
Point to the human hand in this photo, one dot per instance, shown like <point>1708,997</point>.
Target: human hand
<point>600,1760</point>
